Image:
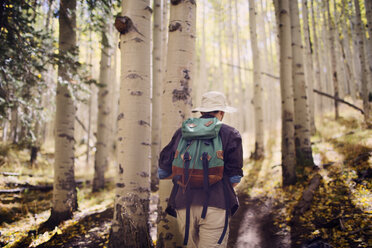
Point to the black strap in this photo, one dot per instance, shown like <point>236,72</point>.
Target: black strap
<point>187,226</point>
<point>227,202</point>
<point>205,184</point>
<point>188,200</point>
<point>186,158</point>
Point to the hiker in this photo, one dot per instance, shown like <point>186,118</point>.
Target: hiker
<point>204,204</point>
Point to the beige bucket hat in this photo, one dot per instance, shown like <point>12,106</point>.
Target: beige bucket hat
<point>214,101</point>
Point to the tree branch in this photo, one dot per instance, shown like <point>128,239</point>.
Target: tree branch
<point>339,100</point>
<point>249,69</point>
<point>81,124</point>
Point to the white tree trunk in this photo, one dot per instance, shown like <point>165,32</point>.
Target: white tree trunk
<point>104,111</point>
<point>221,73</point>
<point>302,119</point>
<point>362,57</point>
<point>239,86</point>
<point>286,87</point>
<point>176,101</point>
<point>309,69</point>
<point>326,57</point>
<point>332,34</point>
<point>318,78</point>
<point>257,97</point>
<point>368,7</point>
<point>157,72</point>
<point>356,61</point>
<point>349,62</point>
<point>131,210</point>
<point>64,188</point>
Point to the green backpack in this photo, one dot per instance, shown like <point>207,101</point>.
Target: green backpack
<point>198,161</point>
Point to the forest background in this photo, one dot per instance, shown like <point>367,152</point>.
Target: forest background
<point>91,90</point>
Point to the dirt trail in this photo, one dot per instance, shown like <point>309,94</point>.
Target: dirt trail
<point>253,226</point>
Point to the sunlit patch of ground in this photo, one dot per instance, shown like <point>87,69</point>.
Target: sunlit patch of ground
<point>23,211</point>
<point>340,213</point>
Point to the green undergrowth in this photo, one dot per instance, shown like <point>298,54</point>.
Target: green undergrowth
<point>341,207</point>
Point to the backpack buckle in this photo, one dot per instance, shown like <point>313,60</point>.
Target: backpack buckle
<point>186,157</point>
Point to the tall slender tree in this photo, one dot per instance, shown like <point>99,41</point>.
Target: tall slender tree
<point>368,7</point>
<point>309,69</point>
<point>362,58</point>
<point>176,100</point>
<point>64,187</point>
<point>157,72</point>
<point>131,208</point>
<point>318,78</point>
<point>239,86</point>
<point>257,97</point>
<point>286,88</point>
<point>345,24</point>
<point>331,37</point>
<point>302,118</point>
<point>104,111</point>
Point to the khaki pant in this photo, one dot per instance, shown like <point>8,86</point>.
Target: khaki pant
<point>204,233</point>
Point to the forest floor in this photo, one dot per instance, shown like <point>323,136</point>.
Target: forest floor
<point>339,214</point>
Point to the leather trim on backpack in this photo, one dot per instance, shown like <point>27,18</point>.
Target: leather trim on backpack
<point>219,154</point>
<point>208,123</point>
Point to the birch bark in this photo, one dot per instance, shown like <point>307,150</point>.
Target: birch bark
<point>240,82</point>
<point>309,69</point>
<point>157,72</point>
<point>331,36</point>
<point>318,77</point>
<point>301,108</point>
<point>176,101</point>
<point>362,58</point>
<point>257,97</point>
<point>130,227</point>
<point>286,87</point>
<point>368,7</point>
<point>104,110</point>
<point>345,26</point>
<point>64,187</point>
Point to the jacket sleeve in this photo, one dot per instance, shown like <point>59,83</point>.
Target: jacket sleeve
<point>167,155</point>
<point>233,156</point>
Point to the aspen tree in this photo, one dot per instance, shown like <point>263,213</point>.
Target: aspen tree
<point>130,227</point>
<point>339,61</point>
<point>157,72</point>
<point>240,82</point>
<point>219,17</point>
<point>302,119</point>
<point>362,58</point>
<point>286,87</point>
<point>351,81</point>
<point>176,101</point>
<point>266,65</point>
<point>331,37</point>
<point>355,52</point>
<point>318,78</point>
<point>231,58</point>
<point>309,69</point>
<point>368,7</point>
<point>64,187</point>
<point>104,111</point>
<point>257,97</point>
<point>326,58</point>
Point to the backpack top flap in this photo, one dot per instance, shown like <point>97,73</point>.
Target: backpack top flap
<point>200,128</point>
